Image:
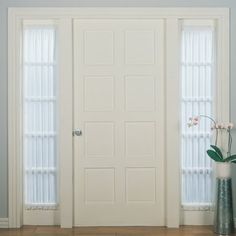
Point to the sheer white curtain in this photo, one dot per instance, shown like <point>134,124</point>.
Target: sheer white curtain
<point>197,74</point>
<point>39,116</point>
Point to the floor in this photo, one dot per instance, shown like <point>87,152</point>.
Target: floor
<point>108,231</point>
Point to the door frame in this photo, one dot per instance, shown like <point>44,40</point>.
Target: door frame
<point>65,17</point>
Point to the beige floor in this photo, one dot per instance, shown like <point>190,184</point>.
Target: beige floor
<point>108,231</point>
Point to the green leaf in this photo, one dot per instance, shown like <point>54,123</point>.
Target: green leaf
<point>214,155</point>
<point>218,151</point>
<point>230,158</point>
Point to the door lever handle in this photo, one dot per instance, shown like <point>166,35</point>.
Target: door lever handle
<point>77,132</point>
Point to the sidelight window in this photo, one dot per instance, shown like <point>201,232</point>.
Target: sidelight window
<point>198,80</point>
<point>39,116</point>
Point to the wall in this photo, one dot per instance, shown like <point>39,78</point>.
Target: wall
<point>4,4</point>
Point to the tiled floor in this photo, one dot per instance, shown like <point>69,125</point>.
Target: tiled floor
<point>108,231</point>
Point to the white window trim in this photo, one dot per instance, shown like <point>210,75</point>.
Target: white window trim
<point>65,15</point>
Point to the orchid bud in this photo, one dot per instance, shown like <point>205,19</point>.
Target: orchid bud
<point>189,124</point>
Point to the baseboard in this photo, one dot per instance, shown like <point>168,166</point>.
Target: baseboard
<point>193,217</point>
<point>4,223</point>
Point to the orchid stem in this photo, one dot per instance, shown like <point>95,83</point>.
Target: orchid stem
<point>205,116</point>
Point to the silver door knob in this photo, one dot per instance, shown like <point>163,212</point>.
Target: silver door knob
<point>77,132</point>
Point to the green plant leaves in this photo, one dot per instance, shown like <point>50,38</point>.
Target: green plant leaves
<point>231,159</point>
<point>218,151</point>
<point>215,156</point>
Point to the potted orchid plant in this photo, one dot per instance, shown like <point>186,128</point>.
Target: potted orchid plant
<point>215,153</point>
<point>223,220</point>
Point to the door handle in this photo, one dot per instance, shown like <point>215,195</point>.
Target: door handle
<point>77,132</point>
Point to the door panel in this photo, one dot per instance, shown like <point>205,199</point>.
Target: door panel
<point>119,106</point>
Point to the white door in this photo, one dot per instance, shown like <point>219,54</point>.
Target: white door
<point>119,107</point>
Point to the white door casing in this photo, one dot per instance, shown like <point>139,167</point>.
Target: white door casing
<point>172,17</point>
<point>119,106</point>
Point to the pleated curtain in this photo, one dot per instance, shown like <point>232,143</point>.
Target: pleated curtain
<point>39,116</point>
<point>197,75</point>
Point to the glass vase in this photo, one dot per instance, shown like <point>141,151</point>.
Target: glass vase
<point>223,218</point>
